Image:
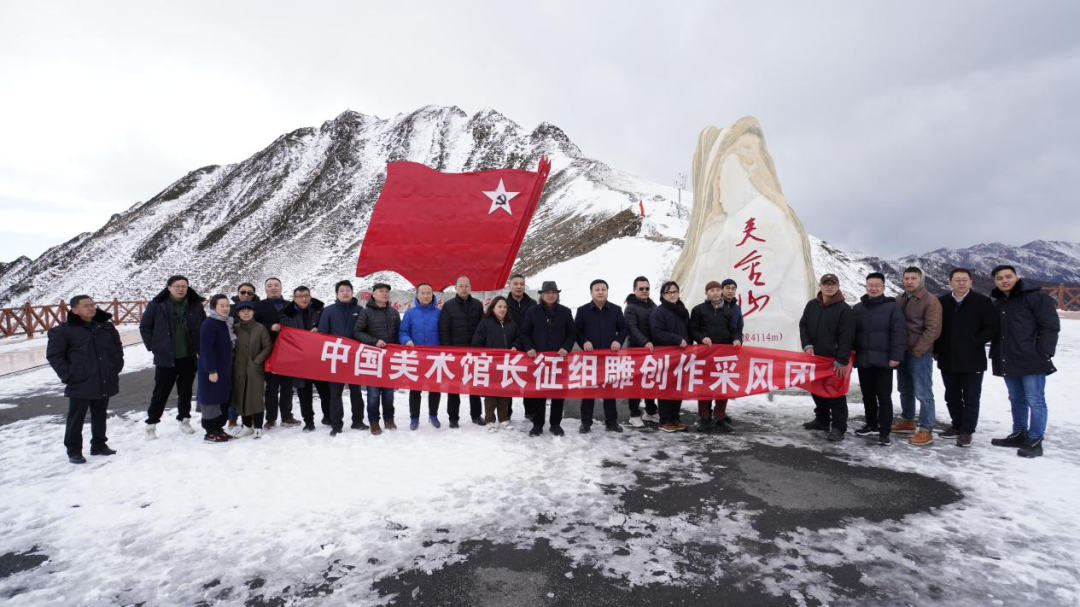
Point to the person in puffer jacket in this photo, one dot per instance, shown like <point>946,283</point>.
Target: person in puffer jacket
<point>420,327</point>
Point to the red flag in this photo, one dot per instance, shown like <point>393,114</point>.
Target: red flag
<point>433,227</point>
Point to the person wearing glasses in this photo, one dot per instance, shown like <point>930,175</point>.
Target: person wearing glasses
<point>638,308</point>
<point>245,292</point>
<point>670,324</point>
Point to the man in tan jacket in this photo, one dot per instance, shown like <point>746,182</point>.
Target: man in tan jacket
<point>915,375</point>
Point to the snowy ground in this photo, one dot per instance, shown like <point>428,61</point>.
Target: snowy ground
<point>648,518</point>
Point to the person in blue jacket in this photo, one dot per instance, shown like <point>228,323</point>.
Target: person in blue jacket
<point>600,325</point>
<point>420,327</point>
<point>216,340</point>
<point>338,319</point>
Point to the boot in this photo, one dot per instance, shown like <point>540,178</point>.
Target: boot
<point>103,451</point>
<point>1016,439</point>
<point>434,419</point>
<point>492,428</point>
<point>835,435</point>
<point>414,423</point>
<point>76,458</point>
<point>375,429</point>
<point>922,438</point>
<point>390,425</point>
<point>904,426</point>
<point>185,426</point>
<point>1031,449</point>
<point>815,425</point>
<point>151,431</point>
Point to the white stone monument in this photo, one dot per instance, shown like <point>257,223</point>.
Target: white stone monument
<point>742,228</point>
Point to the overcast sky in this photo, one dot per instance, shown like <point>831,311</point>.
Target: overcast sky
<point>896,127</point>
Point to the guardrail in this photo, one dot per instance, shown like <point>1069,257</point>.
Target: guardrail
<point>30,319</point>
<point>1067,298</point>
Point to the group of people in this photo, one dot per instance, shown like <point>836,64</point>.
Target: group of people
<point>224,345</point>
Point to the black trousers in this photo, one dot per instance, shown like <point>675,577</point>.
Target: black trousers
<point>278,397</point>
<point>453,406</point>
<point>876,384</point>
<point>669,411</point>
<point>76,417</point>
<point>181,375</point>
<point>635,407</point>
<point>216,424</point>
<point>962,394</point>
<point>833,411</point>
<point>255,420</point>
<point>337,408</point>
<point>611,415</point>
<point>307,401</point>
<point>538,411</point>
<point>433,399</point>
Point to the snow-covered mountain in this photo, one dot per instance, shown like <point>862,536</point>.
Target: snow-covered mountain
<point>299,208</point>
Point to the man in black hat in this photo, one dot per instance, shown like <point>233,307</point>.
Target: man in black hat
<point>549,329</point>
<point>86,353</point>
<point>827,328</point>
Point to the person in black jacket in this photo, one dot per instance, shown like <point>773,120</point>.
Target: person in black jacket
<point>549,328</point>
<point>497,330</point>
<point>170,329</point>
<point>339,318</point>
<point>457,324</point>
<point>637,310</point>
<point>600,325</point>
<point>279,389</point>
<point>303,314</point>
<point>378,325</point>
<point>518,302</point>
<point>827,328</point>
<point>714,322</point>
<point>880,342</point>
<point>670,325</point>
<point>968,323</point>
<point>86,354</point>
<point>1022,353</point>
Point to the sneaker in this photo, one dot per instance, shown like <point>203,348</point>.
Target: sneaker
<point>375,429</point>
<point>334,432</point>
<point>1016,439</point>
<point>904,426</point>
<point>637,422</point>
<point>185,426</point>
<point>434,419</point>
<point>884,440</point>
<point>270,424</point>
<point>103,451</point>
<point>215,438</point>
<point>866,430</point>
<point>151,431</point>
<point>245,431</point>
<point>922,438</point>
<point>815,425</point>
<point>835,435</point>
<point>613,427</point>
<point>479,421</point>
<point>76,458</point>
<point>651,418</point>
<point>536,431</point>
<point>669,428</point>
<point>414,423</point>
<point>258,433</point>
<point>1031,449</point>
<point>492,428</point>
<point>309,427</point>
<point>949,432</point>
<point>228,437</point>
<point>963,440</point>
<point>390,424</point>
<point>234,431</point>
<point>454,424</point>
<point>583,429</point>
<point>506,425</point>
<point>292,421</point>
<point>703,424</point>
<point>557,431</point>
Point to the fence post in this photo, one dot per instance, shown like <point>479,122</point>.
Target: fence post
<point>28,314</point>
<point>1061,300</point>
<point>116,312</point>
<point>62,315</point>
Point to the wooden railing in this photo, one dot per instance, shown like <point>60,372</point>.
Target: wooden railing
<point>1066,297</point>
<point>30,319</point>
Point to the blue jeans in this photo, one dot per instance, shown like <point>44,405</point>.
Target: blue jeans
<point>1027,394</point>
<point>373,397</point>
<point>915,380</point>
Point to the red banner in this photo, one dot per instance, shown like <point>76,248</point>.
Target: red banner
<point>694,372</point>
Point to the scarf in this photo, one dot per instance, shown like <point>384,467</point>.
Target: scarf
<point>228,320</point>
